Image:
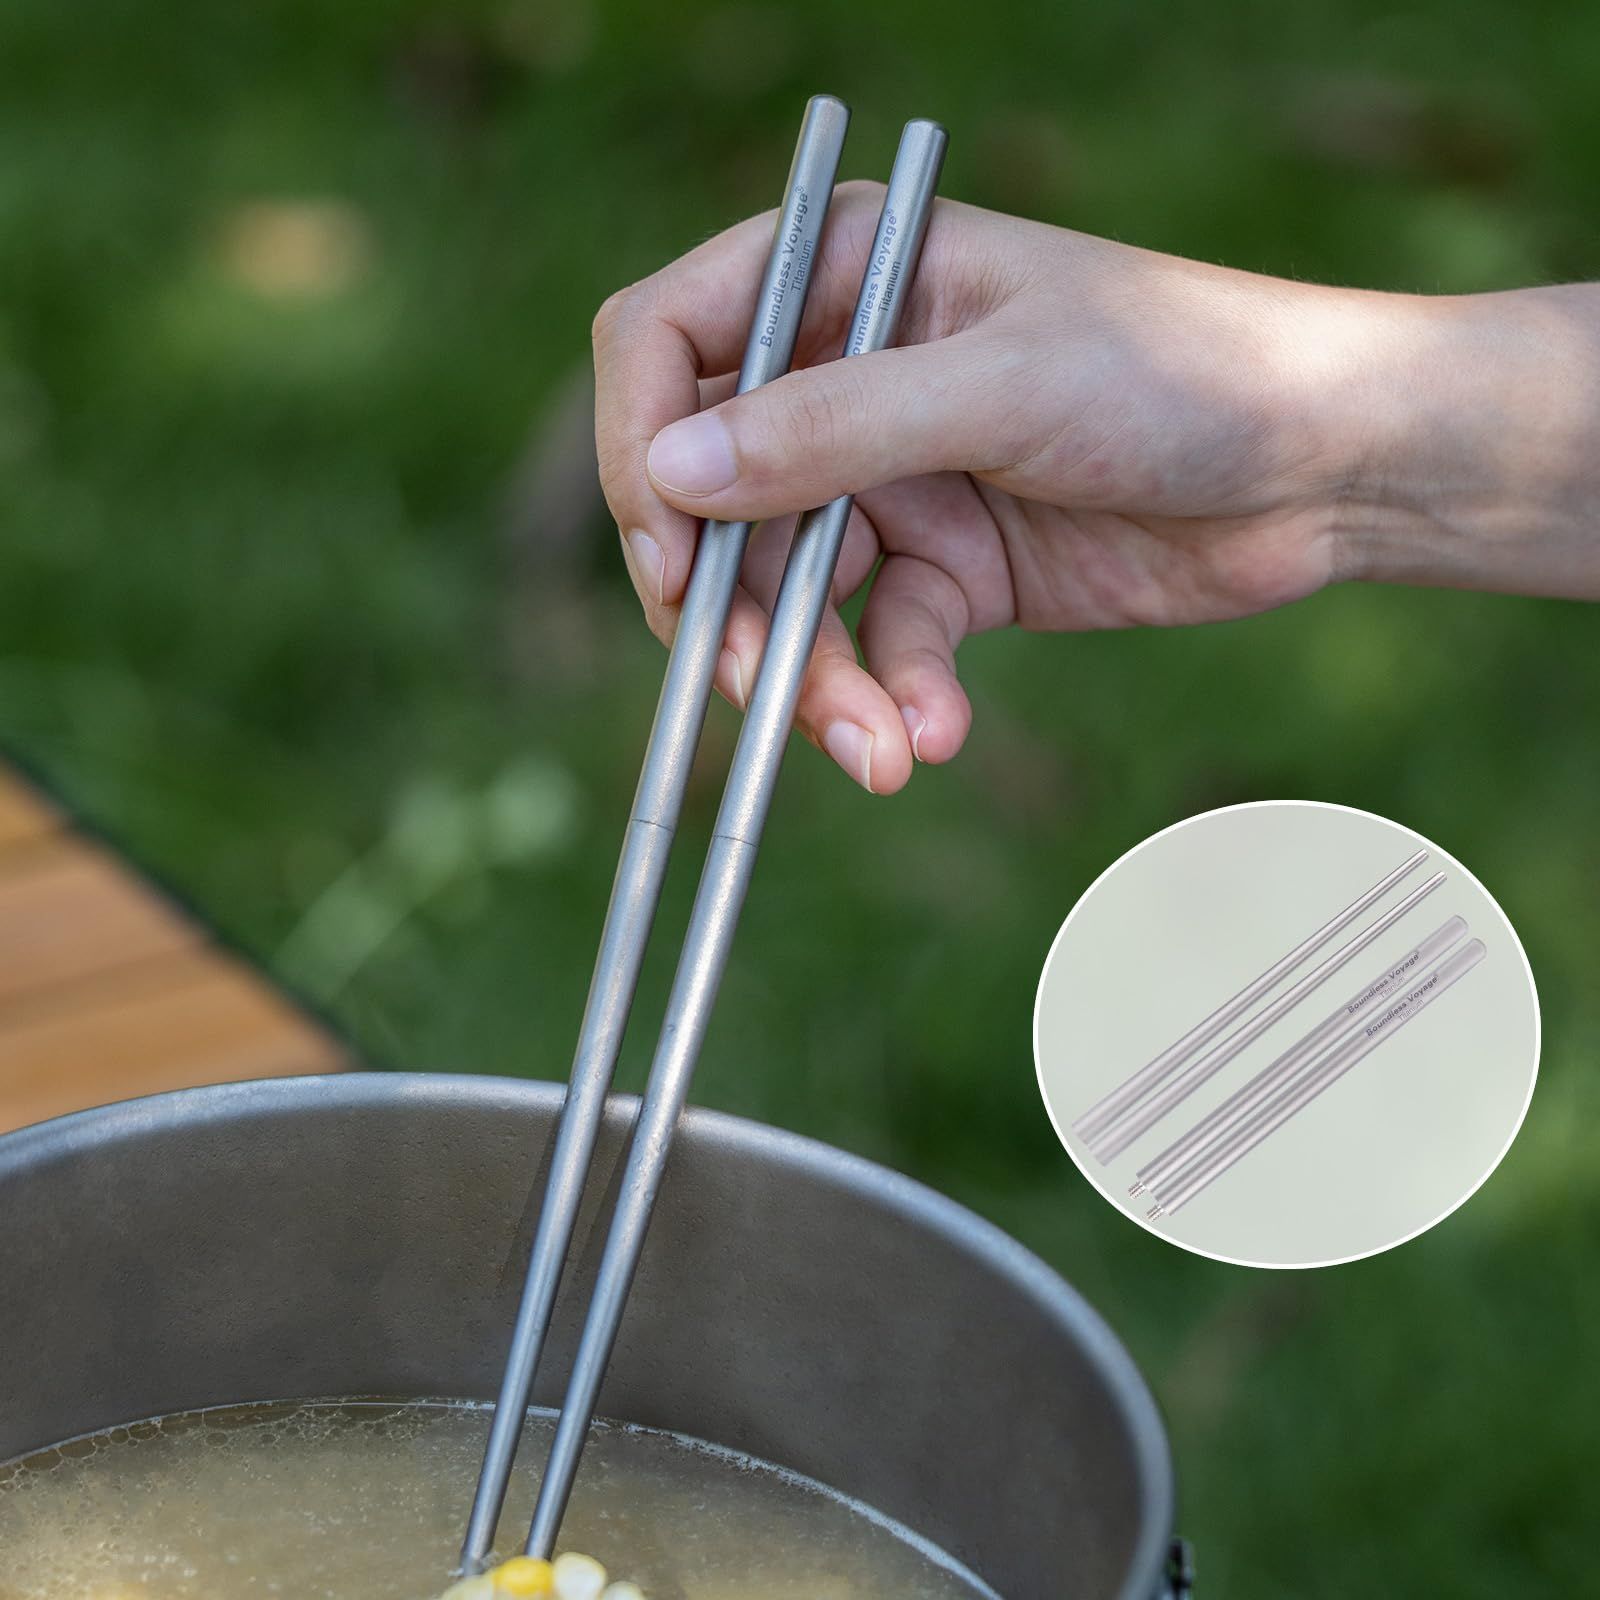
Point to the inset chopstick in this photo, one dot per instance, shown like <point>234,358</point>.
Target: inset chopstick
<point>796,617</point>
<point>1149,1077</point>
<point>647,842</point>
<point>1118,1135</point>
<point>1314,1080</point>
<point>1212,1127</point>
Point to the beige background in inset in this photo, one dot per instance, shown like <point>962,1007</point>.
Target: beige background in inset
<point>1190,917</point>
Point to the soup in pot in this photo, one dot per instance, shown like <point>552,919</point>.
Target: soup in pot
<point>365,1501</point>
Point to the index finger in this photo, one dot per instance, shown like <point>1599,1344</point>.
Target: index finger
<point>654,341</point>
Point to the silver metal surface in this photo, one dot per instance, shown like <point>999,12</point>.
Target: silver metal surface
<point>365,1234</point>
<point>1118,1135</point>
<point>647,842</point>
<point>1314,1080</point>
<point>1136,1089</point>
<point>802,597</point>
<point>1213,1126</point>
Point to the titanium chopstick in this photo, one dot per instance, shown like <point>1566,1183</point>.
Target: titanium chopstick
<point>1315,1079</point>
<point>1118,1135</point>
<point>752,776</point>
<point>1132,1091</point>
<point>669,755</point>
<point>1228,1114</point>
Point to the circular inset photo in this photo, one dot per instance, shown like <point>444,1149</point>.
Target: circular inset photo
<point>1287,1034</point>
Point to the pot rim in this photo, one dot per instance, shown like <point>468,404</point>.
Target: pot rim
<point>268,1098</point>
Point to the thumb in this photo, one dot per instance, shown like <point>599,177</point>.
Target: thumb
<point>849,425</point>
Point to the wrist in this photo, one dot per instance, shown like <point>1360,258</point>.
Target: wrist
<point>1456,437</point>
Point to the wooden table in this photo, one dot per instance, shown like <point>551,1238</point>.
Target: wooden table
<point>109,990</point>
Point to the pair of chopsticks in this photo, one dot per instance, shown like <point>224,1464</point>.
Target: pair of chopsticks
<point>1138,1122</point>
<point>752,777</point>
<point>1280,1092</point>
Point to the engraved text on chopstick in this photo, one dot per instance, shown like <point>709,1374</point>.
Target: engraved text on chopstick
<point>793,269</point>
<point>878,289</point>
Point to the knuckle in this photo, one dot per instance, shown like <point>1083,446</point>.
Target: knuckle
<point>807,421</point>
<point>612,311</point>
<point>816,419</point>
<point>619,308</point>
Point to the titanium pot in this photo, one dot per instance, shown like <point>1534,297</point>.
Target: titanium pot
<point>366,1233</point>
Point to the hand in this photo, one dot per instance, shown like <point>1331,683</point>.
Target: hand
<point>1080,434</point>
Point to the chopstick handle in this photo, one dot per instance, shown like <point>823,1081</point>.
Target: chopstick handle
<point>796,617</point>
<point>647,841</point>
<point>719,556</point>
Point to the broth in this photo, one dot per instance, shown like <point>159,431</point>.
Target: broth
<point>365,1501</point>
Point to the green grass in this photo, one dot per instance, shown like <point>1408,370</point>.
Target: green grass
<point>260,618</point>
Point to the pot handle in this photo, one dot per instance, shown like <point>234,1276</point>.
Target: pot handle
<point>1180,1571</point>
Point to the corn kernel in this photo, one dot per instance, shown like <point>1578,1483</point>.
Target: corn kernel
<point>523,1575</point>
<point>578,1577</point>
<point>623,1591</point>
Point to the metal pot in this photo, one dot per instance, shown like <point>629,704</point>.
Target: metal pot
<point>365,1234</point>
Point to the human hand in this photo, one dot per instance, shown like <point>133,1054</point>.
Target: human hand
<point>1080,434</point>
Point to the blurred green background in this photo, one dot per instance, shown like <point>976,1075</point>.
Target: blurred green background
<point>303,598</point>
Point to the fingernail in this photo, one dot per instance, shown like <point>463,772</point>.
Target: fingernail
<point>915,722</point>
<point>648,563</point>
<point>694,456</point>
<point>851,747</point>
<point>730,664</point>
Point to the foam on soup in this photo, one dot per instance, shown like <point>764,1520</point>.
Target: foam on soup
<point>365,1500</point>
